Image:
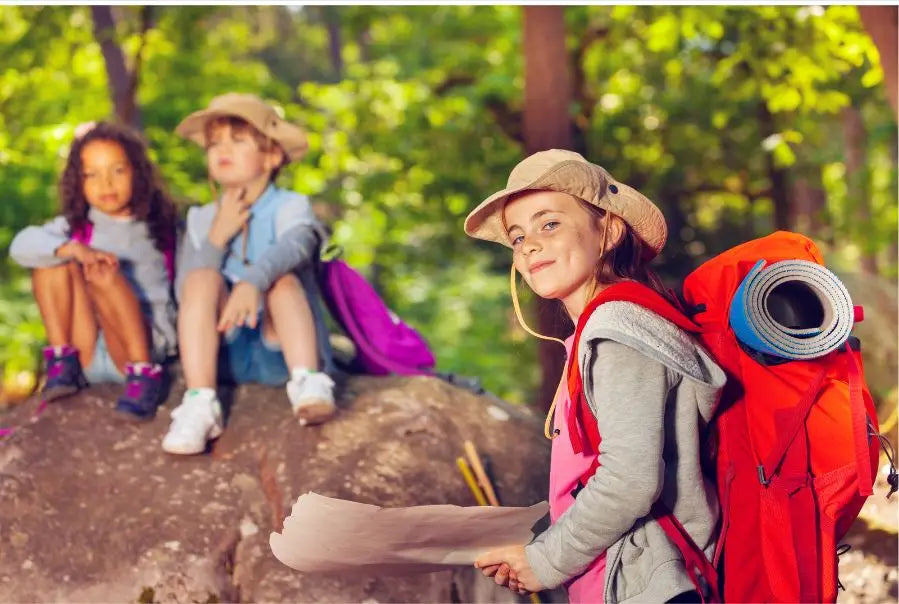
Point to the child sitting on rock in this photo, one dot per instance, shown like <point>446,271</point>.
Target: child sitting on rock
<point>249,310</point>
<point>101,271</point>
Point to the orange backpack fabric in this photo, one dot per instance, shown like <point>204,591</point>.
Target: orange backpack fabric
<point>795,443</point>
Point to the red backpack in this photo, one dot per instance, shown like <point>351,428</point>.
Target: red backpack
<point>796,443</point>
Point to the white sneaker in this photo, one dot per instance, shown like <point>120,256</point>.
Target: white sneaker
<point>311,395</point>
<point>197,419</point>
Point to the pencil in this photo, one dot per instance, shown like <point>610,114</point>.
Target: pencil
<point>470,481</point>
<point>480,473</point>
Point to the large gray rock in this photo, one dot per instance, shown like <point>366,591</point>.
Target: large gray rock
<point>91,509</point>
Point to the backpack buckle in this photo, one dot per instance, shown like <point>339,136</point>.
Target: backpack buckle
<point>762,479</point>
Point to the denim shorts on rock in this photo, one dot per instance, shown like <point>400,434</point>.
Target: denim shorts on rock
<point>102,369</point>
<point>246,357</point>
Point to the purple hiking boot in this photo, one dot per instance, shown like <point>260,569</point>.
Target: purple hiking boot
<point>144,387</point>
<point>64,375</point>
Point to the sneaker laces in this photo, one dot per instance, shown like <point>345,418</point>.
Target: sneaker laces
<point>64,367</point>
<point>56,368</point>
<point>315,384</point>
<point>135,387</point>
<point>194,408</point>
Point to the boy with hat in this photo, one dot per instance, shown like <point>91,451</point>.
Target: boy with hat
<point>249,308</point>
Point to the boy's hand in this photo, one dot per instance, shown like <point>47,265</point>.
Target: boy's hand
<point>509,567</point>
<point>233,213</point>
<point>242,307</point>
<point>85,255</point>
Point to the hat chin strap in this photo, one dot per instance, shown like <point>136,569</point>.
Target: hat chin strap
<point>548,431</point>
<point>602,252</point>
<point>547,425</point>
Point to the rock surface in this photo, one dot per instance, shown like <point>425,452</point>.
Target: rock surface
<point>91,509</point>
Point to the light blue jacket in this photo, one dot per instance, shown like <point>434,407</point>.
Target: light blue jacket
<point>284,236</point>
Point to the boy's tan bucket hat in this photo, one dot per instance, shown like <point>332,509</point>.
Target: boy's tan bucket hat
<point>568,172</point>
<point>256,112</point>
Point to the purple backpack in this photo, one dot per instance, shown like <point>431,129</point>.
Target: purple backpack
<point>384,342</point>
<point>86,233</point>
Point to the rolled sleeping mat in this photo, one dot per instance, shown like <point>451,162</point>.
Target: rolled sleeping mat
<point>792,309</point>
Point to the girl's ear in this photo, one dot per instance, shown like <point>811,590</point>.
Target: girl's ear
<point>616,231</point>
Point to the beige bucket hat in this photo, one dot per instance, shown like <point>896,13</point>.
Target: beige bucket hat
<point>568,172</point>
<point>256,112</point>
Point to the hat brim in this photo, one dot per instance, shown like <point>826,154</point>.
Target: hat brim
<point>291,138</point>
<point>485,221</point>
<point>583,181</point>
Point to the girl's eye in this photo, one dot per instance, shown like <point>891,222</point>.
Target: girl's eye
<point>551,225</point>
<point>517,239</point>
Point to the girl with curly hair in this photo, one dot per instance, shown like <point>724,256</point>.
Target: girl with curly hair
<point>102,271</point>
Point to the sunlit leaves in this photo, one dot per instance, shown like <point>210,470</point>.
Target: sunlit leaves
<point>414,126</point>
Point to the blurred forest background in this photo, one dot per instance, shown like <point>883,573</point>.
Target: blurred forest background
<point>735,120</point>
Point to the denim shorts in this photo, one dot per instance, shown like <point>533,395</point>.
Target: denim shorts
<point>102,369</point>
<point>245,357</point>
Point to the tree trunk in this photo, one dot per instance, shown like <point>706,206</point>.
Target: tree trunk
<point>855,139</point>
<point>335,42</point>
<point>122,83</point>
<point>780,195</point>
<point>882,23</point>
<point>893,249</point>
<point>547,125</point>
<point>547,82</point>
<point>809,200</point>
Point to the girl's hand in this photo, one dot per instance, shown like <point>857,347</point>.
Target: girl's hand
<point>242,307</point>
<point>502,575</point>
<point>520,577</point>
<point>99,272</point>
<point>233,213</point>
<point>86,255</point>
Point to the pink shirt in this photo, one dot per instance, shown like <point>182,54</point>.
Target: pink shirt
<point>565,469</point>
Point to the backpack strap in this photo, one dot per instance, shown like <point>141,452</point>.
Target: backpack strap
<point>584,431</point>
<point>84,234</point>
<point>859,424</point>
<point>772,462</point>
<point>800,411</point>
<point>702,573</point>
<point>169,258</point>
<point>581,424</point>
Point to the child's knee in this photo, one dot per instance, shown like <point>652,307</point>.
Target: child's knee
<point>199,277</point>
<point>285,284</point>
<point>203,283</point>
<point>58,271</point>
<point>98,279</point>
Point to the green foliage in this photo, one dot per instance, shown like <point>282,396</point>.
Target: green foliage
<point>700,108</point>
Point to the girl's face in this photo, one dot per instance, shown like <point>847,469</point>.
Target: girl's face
<point>106,177</point>
<point>234,158</point>
<point>555,245</point>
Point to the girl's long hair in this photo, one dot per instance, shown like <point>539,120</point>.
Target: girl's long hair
<point>627,259</point>
<point>149,201</point>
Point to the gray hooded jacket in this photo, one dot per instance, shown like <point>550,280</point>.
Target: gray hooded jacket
<point>653,391</point>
